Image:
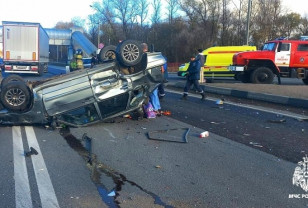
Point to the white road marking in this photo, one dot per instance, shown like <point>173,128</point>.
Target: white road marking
<point>22,188</point>
<point>45,187</point>
<point>268,110</point>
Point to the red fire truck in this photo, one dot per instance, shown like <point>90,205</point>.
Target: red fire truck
<point>283,58</point>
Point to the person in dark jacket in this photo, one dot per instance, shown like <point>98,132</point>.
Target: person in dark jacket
<point>161,87</point>
<point>193,76</point>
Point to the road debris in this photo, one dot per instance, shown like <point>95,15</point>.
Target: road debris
<point>255,144</point>
<point>204,134</point>
<point>213,122</point>
<point>111,193</point>
<point>277,121</point>
<point>127,116</point>
<point>158,166</point>
<point>219,101</point>
<point>167,133</point>
<point>31,152</point>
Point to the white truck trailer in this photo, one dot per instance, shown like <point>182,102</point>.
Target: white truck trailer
<point>25,48</point>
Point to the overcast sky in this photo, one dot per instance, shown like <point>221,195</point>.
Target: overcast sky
<point>49,12</point>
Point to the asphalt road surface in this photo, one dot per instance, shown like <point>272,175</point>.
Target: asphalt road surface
<point>248,160</point>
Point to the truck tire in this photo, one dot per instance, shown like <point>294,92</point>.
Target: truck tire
<point>129,52</point>
<point>244,77</point>
<point>262,75</point>
<point>15,96</point>
<point>45,68</point>
<point>107,53</point>
<point>305,81</point>
<point>41,70</point>
<point>11,78</point>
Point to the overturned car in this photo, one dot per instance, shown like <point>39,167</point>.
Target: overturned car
<point>87,96</point>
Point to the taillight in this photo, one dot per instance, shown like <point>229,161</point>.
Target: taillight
<point>33,56</point>
<point>34,68</point>
<point>8,54</point>
<point>8,67</point>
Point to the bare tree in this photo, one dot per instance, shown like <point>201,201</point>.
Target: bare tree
<point>303,26</point>
<point>156,4</point>
<point>172,6</point>
<point>105,17</point>
<point>125,12</point>
<point>265,20</point>
<point>64,25</point>
<point>142,10</point>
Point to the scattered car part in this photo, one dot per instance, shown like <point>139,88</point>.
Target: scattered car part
<point>31,152</point>
<point>167,131</point>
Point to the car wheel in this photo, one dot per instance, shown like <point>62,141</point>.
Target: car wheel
<point>305,81</point>
<point>107,53</point>
<point>11,78</point>
<point>262,75</point>
<point>129,52</point>
<point>15,96</point>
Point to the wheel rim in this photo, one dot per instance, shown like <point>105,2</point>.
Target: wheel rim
<point>15,97</point>
<point>130,52</point>
<point>262,77</point>
<point>110,55</point>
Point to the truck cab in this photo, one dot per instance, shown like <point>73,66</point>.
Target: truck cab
<point>283,58</point>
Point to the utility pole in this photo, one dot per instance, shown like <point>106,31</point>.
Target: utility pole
<point>248,21</point>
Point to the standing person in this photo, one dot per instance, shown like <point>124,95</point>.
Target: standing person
<point>201,58</point>
<point>161,87</point>
<point>193,76</point>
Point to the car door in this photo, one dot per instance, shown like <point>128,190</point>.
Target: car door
<point>110,90</point>
<point>67,92</point>
<point>301,56</point>
<point>283,54</point>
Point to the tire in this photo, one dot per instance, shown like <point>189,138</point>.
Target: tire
<point>15,96</point>
<point>107,53</point>
<point>305,81</point>
<point>45,68</point>
<point>11,78</point>
<point>129,52</point>
<point>245,78</point>
<point>237,77</point>
<point>41,70</point>
<point>262,75</point>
